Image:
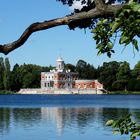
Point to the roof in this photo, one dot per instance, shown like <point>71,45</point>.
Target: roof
<point>59,59</point>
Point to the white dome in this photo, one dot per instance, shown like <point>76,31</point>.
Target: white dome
<point>59,59</point>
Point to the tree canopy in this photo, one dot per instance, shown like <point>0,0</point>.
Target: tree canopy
<point>106,19</point>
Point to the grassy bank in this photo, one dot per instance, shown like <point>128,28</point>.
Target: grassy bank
<point>6,92</point>
<point>123,92</point>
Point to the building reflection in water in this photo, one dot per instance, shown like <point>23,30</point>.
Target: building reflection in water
<point>61,118</point>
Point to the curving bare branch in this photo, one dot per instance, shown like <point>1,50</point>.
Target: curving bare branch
<point>101,10</point>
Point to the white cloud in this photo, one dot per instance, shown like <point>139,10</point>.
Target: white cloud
<point>106,1</point>
<point>78,5</point>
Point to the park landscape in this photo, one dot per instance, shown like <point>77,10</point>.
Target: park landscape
<point>114,27</point>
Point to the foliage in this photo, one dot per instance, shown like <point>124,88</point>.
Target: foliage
<point>6,92</point>
<point>107,73</point>
<point>1,73</point>
<point>15,78</point>
<point>85,70</point>
<point>123,71</point>
<point>7,75</point>
<point>102,37</point>
<point>105,30</point>
<point>119,85</point>
<point>126,23</point>
<point>70,67</point>
<point>136,71</point>
<point>29,75</point>
<point>133,85</point>
<point>125,126</point>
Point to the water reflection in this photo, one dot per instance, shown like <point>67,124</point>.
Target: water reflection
<point>60,118</point>
<point>5,114</point>
<point>26,117</point>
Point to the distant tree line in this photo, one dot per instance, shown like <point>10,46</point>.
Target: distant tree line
<point>115,76</point>
<point>21,76</point>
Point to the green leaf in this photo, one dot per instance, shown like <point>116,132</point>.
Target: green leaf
<point>109,122</point>
<point>122,131</point>
<point>135,134</point>
<point>99,46</point>
<point>135,44</point>
<point>94,30</point>
<point>126,131</point>
<point>97,40</point>
<point>112,51</point>
<point>137,20</point>
<point>99,52</point>
<point>136,7</point>
<point>109,54</point>
<point>109,45</point>
<point>104,21</point>
<point>115,131</point>
<point>115,26</point>
<point>123,39</point>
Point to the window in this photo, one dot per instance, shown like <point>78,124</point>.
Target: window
<point>48,84</point>
<point>84,85</point>
<point>79,86</point>
<point>45,85</point>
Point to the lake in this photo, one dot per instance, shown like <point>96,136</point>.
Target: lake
<point>64,117</point>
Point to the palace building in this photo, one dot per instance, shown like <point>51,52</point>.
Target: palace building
<point>59,78</point>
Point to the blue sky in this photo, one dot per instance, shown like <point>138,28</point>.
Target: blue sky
<point>42,48</point>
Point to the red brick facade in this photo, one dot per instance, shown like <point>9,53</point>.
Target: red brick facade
<point>60,78</point>
<point>88,84</point>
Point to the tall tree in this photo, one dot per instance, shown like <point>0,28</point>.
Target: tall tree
<point>1,73</point>
<point>105,17</point>
<point>30,75</point>
<point>91,72</point>
<point>107,73</point>
<point>123,71</point>
<point>16,83</point>
<point>136,71</point>
<point>80,68</point>
<point>122,77</point>
<point>7,75</point>
<point>85,70</point>
<point>70,67</point>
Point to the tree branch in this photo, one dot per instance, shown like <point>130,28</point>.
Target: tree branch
<point>101,10</point>
<point>99,3</point>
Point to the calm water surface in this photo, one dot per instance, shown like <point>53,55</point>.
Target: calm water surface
<point>64,117</point>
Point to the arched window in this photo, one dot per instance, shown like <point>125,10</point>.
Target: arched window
<point>48,84</point>
<point>84,85</point>
<point>90,85</point>
<point>45,85</point>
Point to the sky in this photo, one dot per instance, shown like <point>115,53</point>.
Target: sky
<point>44,47</point>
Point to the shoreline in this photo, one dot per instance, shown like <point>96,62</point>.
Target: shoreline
<point>60,91</point>
<point>123,92</point>
<point>67,91</point>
